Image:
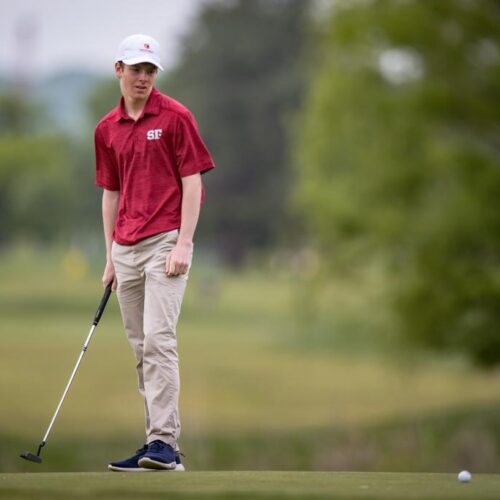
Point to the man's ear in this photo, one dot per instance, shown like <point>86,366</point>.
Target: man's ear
<point>118,69</point>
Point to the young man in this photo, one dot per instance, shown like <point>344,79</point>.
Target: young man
<point>149,161</point>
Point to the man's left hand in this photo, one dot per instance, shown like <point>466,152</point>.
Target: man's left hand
<point>179,259</point>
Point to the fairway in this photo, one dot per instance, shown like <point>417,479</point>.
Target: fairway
<point>271,485</point>
<point>243,374</point>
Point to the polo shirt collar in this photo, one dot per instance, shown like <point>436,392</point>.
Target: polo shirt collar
<point>152,106</point>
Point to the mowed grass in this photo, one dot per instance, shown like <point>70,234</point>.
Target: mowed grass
<point>237,372</point>
<point>241,371</point>
<point>248,485</point>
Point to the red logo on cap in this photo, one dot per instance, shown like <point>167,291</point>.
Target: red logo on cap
<point>146,46</point>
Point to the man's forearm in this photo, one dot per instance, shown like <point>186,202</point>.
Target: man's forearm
<point>190,210</point>
<point>110,201</point>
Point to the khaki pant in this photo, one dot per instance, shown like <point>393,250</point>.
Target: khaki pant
<point>150,304</point>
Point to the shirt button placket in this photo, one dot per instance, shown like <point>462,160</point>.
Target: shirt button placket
<point>134,136</point>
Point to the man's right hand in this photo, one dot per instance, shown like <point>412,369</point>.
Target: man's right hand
<point>109,276</point>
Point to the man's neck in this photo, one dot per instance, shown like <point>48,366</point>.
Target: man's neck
<point>134,107</point>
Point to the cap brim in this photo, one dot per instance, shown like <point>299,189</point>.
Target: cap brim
<point>142,59</point>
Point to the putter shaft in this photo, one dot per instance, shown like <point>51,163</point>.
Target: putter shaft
<point>68,385</point>
<point>36,458</point>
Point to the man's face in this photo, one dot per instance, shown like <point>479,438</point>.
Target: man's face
<point>136,80</point>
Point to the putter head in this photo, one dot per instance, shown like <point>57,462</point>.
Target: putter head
<point>31,457</point>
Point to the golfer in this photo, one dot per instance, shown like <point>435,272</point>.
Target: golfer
<point>149,161</point>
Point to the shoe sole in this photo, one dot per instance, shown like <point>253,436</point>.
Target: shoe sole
<point>114,468</point>
<point>149,463</point>
<point>178,468</point>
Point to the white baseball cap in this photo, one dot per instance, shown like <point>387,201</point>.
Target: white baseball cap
<point>137,49</point>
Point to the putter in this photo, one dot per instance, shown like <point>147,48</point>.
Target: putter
<point>36,458</point>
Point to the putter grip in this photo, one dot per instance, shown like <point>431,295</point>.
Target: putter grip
<point>103,303</point>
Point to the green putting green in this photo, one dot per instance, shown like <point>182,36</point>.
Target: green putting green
<point>247,485</point>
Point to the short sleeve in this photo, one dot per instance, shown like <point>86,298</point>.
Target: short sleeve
<point>191,154</point>
<point>106,172</point>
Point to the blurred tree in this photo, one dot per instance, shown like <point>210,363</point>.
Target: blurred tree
<point>240,74</point>
<point>35,175</point>
<point>398,158</point>
<point>35,198</point>
<point>102,100</point>
<point>17,115</point>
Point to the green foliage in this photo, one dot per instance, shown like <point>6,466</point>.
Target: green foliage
<point>35,201</point>
<point>103,99</point>
<point>398,160</point>
<point>240,73</point>
<point>16,115</point>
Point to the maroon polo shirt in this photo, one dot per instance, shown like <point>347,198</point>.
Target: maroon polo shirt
<point>145,160</point>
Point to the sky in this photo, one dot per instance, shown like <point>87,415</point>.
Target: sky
<point>65,34</point>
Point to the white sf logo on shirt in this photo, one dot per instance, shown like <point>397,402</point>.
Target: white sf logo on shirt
<point>153,135</point>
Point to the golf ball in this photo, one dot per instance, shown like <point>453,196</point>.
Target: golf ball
<point>464,476</point>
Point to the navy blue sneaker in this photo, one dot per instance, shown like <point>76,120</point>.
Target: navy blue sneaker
<point>132,464</point>
<point>179,467</point>
<point>159,456</point>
